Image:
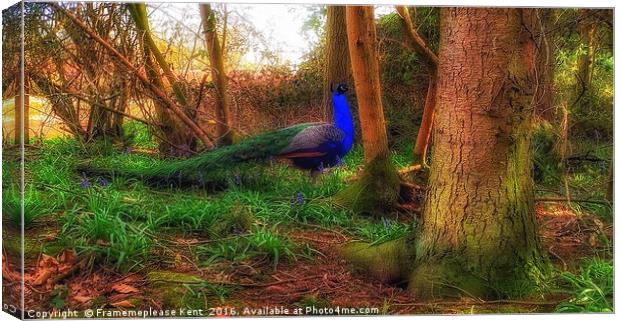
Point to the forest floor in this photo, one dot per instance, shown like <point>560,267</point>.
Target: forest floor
<point>270,242</point>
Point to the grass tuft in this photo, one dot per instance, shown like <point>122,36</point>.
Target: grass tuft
<point>591,289</point>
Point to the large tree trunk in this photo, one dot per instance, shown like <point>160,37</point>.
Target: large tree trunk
<point>377,189</point>
<point>337,64</point>
<point>218,75</point>
<point>479,234</point>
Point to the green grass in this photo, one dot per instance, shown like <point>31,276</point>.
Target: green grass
<point>119,222</point>
<point>262,242</point>
<point>591,289</point>
<point>266,241</point>
<point>101,230</point>
<point>125,224</point>
<point>35,205</point>
<point>387,230</point>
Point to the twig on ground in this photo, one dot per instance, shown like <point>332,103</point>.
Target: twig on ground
<point>248,285</point>
<point>561,199</point>
<point>324,228</point>
<point>207,241</point>
<point>410,169</point>
<point>479,302</point>
<point>316,240</point>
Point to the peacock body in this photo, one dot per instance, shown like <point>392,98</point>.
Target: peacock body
<point>309,146</point>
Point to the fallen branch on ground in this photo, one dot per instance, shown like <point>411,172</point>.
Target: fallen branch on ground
<point>560,199</point>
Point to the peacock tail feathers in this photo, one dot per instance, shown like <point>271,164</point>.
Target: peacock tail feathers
<point>212,167</point>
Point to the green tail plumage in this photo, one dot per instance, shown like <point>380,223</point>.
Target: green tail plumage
<point>210,167</point>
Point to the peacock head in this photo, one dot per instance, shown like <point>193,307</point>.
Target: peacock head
<point>341,89</point>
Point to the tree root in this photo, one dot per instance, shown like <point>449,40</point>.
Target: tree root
<point>388,262</point>
<point>560,199</point>
<point>377,190</point>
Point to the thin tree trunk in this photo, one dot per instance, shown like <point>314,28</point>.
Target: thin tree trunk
<point>585,63</point>
<point>362,39</point>
<point>140,17</point>
<point>376,191</point>
<point>479,234</point>
<point>610,182</point>
<point>542,24</point>
<point>179,141</point>
<point>218,76</point>
<point>431,61</point>
<point>121,106</point>
<point>169,103</point>
<point>26,113</point>
<point>337,61</point>
<point>428,116</point>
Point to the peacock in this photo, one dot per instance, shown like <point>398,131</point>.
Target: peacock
<point>309,146</point>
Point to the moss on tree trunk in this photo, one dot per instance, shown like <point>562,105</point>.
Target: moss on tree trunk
<point>375,192</point>
<point>479,235</point>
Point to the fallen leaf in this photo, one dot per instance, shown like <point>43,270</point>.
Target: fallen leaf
<point>47,261</point>
<point>42,277</point>
<point>67,256</point>
<point>124,288</point>
<point>275,289</point>
<point>51,236</point>
<point>82,299</point>
<point>123,304</point>
<point>48,266</point>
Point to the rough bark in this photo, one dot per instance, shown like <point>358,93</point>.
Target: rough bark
<point>337,61</point>
<point>376,191</point>
<point>479,234</point>
<point>218,75</point>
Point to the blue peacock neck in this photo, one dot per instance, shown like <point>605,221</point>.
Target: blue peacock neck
<point>343,119</point>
